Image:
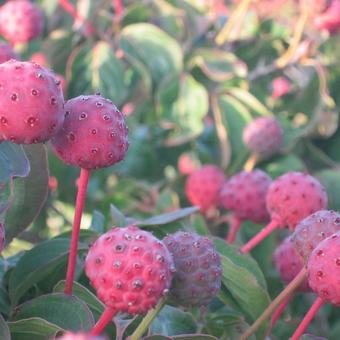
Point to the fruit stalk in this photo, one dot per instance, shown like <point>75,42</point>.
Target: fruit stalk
<point>118,7</point>
<point>235,226</point>
<point>80,201</point>
<point>252,243</point>
<point>103,321</point>
<point>288,291</point>
<point>279,310</point>
<point>308,318</point>
<point>250,163</point>
<point>146,322</point>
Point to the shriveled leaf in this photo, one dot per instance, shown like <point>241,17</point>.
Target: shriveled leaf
<point>96,69</point>
<point>67,312</point>
<point>29,193</point>
<point>168,217</point>
<point>4,330</point>
<point>173,321</point>
<point>37,264</point>
<point>159,52</point>
<point>36,328</point>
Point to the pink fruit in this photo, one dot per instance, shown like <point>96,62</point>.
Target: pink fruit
<point>203,186</point>
<point>263,136</point>
<point>324,269</point>
<point>2,237</point>
<point>198,268</point>
<point>289,263</point>
<point>130,269</point>
<point>21,21</point>
<point>329,20</point>
<point>281,86</point>
<point>31,103</point>
<point>80,336</point>
<point>6,52</point>
<point>294,196</point>
<point>314,229</point>
<point>245,195</point>
<point>186,164</point>
<point>94,134</point>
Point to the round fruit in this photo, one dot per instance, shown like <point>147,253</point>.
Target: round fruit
<point>94,134</point>
<point>130,269</point>
<point>281,86</point>
<point>6,52</point>
<point>21,21</point>
<point>198,268</point>
<point>245,195</point>
<point>263,136</point>
<point>31,103</point>
<point>203,187</point>
<point>289,263</point>
<point>324,269</point>
<point>329,20</point>
<point>80,336</point>
<point>294,196</point>
<point>314,229</point>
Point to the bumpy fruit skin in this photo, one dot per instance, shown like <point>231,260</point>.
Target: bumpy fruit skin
<point>289,263</point>
<point>198,268</point>
<point>31,102</point>
<point>80,336</point>
<point>130,269</point>
<point>263,136</point>
<point>21,21</point>
<point>314,229</point>
<point>203,187</point>
<point>329,20</point>
<point>6,52</point>
<point>324,269</point>
<point>294,196</point>
<point>94,134</point>
<point>245,195</point>
<point>281,86</point>
<point>2,237</point>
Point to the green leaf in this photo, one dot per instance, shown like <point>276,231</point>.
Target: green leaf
<point>13,161</point>
<point>157,337</point>
<point>4,330</point>
<point>37,264</point>
<point>159,52</point>
<point>182,104</point>
<point>118,218</point>
<point>29,194</point>
<point>67,312</point>
<point>38,328</point>
<point>96,68</point>
<point>168,217</point>
<point>244,280</point>
<point>194,337</point>
<point>173,321</point>
<point>6,195</point>
<point>331,180</point>
<point>98,222</point>
<point>217,65</point>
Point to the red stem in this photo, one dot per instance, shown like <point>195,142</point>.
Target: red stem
<point>234,227</point>
<point>278,312</point>
<point>252,243</point>
<point>80,201</point>
<point>308,318</point>
<point>118,7</point>
<point>69,8</point>
<point>103,321</point>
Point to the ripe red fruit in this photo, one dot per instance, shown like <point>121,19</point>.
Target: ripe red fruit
<point>281,86</point>
<point>40,58</point>
<point>203,186</point>
<point>198,268</point>
<point>289,263</point>
<point>94,134</point>
<point>186,164</point>
<point>31,101</point>
<point>6,52</point>
<point>314,229</point>
<point>130,269</point>
<point>2,237</point>
<point>21,21</point>
<point>294,196</point>
<point>263,136</point>
<point>80,336</point>
<point>245,195</point>
<point>324,269</point>
<point>329,20</point>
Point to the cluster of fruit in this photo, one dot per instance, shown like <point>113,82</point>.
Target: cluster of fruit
<point>296,200</point>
